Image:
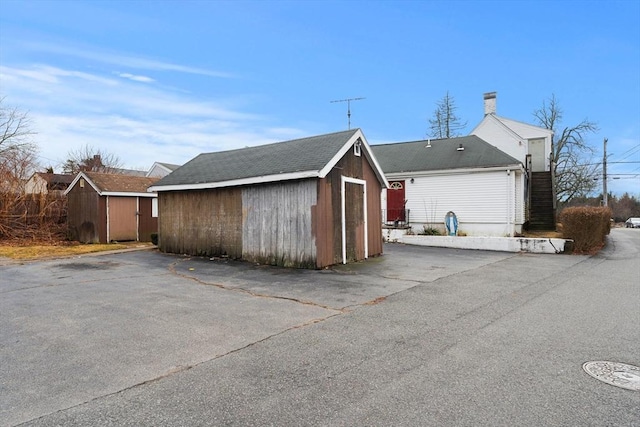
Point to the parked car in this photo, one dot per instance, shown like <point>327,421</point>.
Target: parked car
<point>632,223</point>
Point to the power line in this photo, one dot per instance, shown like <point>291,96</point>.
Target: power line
<point>630,152</point>
<point>630,149</point>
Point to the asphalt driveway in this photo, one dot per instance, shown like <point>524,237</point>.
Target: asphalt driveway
<point>145,338</point>
<point>75,329</point>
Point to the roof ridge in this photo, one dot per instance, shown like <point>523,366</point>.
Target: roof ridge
<point>324,135</point>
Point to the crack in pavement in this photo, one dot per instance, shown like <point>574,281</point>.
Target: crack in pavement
<point>172,269</point>
<point>180,369</point>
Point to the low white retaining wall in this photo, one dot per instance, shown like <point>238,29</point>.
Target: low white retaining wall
<point>504,244</point>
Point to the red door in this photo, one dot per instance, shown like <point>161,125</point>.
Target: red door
<point>395,202</point>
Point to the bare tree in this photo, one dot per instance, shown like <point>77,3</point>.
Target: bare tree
<point>23,215</point>
<point>90,159</point>
<point>15,131</point>
<point>18,152</point>
<point>445,122</point>
<point>572,157</point>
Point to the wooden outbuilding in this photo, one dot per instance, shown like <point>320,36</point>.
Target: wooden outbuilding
<point>309,203</point>
<point>111,207</point>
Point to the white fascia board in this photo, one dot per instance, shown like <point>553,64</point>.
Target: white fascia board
<point>504,126</point>
<point>533,128</point>
<point>236,182</point>
<point>376,166</point>
<point>336,158</point>
<point>76,179</point>
<point>484,119</point>
<point>368,153</point>
<point>419,174</point>
<point>126,194</point>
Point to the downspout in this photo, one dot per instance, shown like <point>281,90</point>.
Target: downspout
<point>509,228</point>
<point>527,208</point>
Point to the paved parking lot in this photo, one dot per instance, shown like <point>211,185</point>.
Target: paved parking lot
<point>145,338</point>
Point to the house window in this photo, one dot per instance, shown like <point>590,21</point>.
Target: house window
<point>154,207</point>
<point>81,182</point>
<point>357,147</point>
<point>395,186</point>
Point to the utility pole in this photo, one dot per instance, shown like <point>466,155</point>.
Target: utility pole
<point>605,197</point>
<point>348,101</point>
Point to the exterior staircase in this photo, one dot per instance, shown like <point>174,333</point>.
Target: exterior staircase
<point>541,210</point>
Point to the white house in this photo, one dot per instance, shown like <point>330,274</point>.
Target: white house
<point>515,138</point>
<point>482,185</point>
<point>531,145</point>
<point>45,183</point>
<point>159,170</point>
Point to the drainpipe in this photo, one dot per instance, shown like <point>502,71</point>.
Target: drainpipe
<point>509,231</point>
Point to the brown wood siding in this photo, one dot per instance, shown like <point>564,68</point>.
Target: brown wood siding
<point>146,223</point>
<point>328,214</point>
<point>277,223</point>
<point>122,218</point>
<point>354,221</point>
<point>350,166</point>
<point>374,209</point>
<point>323,224</point>
<point>201,222</point>
<point>86,216</point>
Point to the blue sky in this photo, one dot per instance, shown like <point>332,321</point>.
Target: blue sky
<point>164,81</point>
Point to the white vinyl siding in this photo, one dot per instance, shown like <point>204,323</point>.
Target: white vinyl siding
<point>474,197</point>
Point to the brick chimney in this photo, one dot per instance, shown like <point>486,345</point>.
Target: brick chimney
<point>490,103</point>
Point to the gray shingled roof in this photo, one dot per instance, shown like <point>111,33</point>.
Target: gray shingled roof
<point>298,155</point>
<point>442,155</point>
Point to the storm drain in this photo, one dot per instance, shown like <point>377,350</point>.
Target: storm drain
<point>617,374</point>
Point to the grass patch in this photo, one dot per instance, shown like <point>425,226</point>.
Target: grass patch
<point>21,251</point>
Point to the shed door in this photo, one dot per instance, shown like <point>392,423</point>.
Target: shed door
<point>122,218</point>
<point>354,220</point>
<point>395,201</point>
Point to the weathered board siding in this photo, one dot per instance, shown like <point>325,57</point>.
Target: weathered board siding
<point>293,223</point>
<point>147,224</point>
<point>328,224</point>
<point>354,221</point>
<point>350,166</point>
<point>86,217</point>
<point>374,213</point>
<point>122,218</point>
<point>201,222</point>
<point>323,225</point>
<point>277,223</point>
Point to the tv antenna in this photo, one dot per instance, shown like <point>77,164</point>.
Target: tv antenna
<point>348,101</point>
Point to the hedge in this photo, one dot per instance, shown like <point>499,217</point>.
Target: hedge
<point>588,227</point>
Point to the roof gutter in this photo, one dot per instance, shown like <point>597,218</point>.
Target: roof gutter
<point>461,171</point>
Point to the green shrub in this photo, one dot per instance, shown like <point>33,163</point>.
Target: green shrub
<point>154,238</point>
<point>587,226</point>
<point>430,231</point>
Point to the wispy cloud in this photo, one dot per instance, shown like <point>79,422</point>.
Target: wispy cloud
<point>122,60</point>
<point>139,123</point>
<point>136,78</point>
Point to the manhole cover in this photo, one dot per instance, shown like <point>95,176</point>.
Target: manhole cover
<point>617,374</point>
